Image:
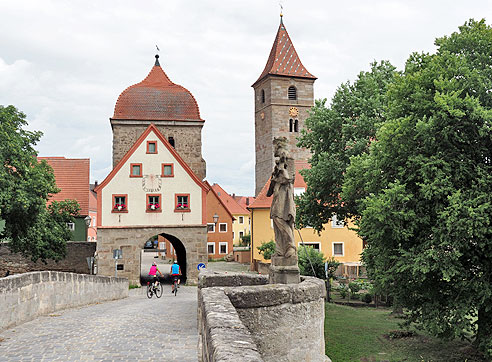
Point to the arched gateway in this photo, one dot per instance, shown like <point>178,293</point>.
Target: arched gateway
<point>155,187</point>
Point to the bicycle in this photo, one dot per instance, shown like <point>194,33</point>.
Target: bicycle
<point>175,286</point>
<point>154,289</point>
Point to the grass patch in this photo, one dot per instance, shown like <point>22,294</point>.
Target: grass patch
<point>134,286</point>
<point>372,335</point>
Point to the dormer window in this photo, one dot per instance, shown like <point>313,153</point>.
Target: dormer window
<point>151,147</point>
<point>262,96</point>
<point>171,141</point>
<point>292,93</point>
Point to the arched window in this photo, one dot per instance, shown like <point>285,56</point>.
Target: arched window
<point>291,125</point>
<point>292,92</point>
<point>171,141</point>
<point>296,126</point>
<point>262,96</point>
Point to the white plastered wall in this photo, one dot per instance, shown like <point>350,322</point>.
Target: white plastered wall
<point>122,183</point>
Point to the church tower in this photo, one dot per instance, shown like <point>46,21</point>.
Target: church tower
<point>283,96</point>
<point>170,107</point>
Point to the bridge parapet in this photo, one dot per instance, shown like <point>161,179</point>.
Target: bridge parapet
<point>26,296</point>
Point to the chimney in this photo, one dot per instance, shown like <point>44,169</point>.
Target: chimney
<point>234,195</point>
<point>247,201</point>
<point>95,183</point>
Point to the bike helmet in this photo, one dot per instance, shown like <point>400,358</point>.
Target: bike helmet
<point>154,264</point>
<point>175,262</point>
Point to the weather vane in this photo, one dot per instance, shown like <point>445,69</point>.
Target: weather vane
<point>157,48</point>
<point>281,9</point>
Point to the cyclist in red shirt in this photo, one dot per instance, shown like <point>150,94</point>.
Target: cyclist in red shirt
<point>153,273</point>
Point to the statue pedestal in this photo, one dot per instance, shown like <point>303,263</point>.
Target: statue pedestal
<point>284,271</point>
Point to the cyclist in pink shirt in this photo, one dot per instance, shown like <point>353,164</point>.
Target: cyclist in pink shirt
<point>153,273</point>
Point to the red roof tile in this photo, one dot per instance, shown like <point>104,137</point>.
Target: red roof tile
<point>244,201</point>
<point>283,59</point>
<point>263,201</point>
<point>72,177</point>
<point>156,98</point>
<point>228,201</point>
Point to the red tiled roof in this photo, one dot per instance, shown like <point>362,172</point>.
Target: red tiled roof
<point>264,202</point>
<point>72,177</point>
<point>283,58</point>
<point>244,201</point>
<point>228,201</point>
<point>156,98</point>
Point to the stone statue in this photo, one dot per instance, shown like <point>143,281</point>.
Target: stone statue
<point>284,267</point>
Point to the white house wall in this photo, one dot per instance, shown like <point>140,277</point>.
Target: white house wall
<point>122,183</point>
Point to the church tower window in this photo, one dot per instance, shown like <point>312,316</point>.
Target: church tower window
<point>292,92</point>
<point>171,141</point>
<point>262,96</point>
<point>291,123</point>
<point>296,126</point>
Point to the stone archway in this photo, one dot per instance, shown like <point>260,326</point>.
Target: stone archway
<point>191,241</point>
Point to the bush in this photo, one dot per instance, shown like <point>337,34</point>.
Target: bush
<point>245,240</point>
<point>343,291</point>
<point>354,287</point>
<point>267,249</point>
<point>355,296</point>
<point>367,298</point>
<point>309,259</point>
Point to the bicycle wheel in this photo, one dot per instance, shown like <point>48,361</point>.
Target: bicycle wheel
<point>175,288</point>
<point>149,291</point>
<point>158,290</point>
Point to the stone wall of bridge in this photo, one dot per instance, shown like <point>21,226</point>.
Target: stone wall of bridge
<point>26,296</point>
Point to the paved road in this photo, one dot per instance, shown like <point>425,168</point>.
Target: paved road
<point>132,329</point>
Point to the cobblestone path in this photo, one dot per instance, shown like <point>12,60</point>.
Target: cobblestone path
<point>132,329</point>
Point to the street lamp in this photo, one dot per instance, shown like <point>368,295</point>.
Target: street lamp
<point>216,218</point>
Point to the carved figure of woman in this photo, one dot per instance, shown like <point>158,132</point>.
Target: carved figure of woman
<point>283,209</point>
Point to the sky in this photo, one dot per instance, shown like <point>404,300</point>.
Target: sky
<point>64,63</point>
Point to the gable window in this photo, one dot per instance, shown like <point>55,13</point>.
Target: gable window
<point>241,219</point>
<point>151,146</point>
<point>171,141</point>
<point>291,125</point>
<point>222,227</point>
<point>296,126</point>
<point>337,249</point>
<point>71,226</point>
<point>211,248</point>
<point>167,170</point>
<point>182,202</point>
<point>335,223</point>
<point>135,170</point>
<point>223,248</point>
<point>292,92</point>
<point>120,203</point>
<point>153,203</point>
<point>210,228</point>
<point>262,96</point>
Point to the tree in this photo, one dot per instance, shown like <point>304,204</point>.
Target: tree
<point>336,133</point>
<point>424,191</point>
<point>311,262</point>
<point>267,249</point>
<point>25,185</point>
<point>246,240</point>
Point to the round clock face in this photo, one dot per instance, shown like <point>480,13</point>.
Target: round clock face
<point>151,183</point>
<point>293,111</point>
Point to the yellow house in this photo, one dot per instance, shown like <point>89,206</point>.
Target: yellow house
<point>336,240</point>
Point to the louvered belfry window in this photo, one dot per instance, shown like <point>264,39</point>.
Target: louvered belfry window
<point>292,93</point>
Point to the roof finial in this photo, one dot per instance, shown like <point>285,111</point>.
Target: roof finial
<point>281,12</point>
<point>157,60</point>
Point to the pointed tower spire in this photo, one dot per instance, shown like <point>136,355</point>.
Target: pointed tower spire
<point>283,59</point>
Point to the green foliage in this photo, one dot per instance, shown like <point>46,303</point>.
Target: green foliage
<point>342,290</point>
<point>354,287</point>
<point>309,258</point>
<point>367,298</point>
<point>246,240</point>
<point>25,185</point>
<point>423,192</point>
<point>332,266</point>
<point>267,249</point>
<point>334,134</point>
